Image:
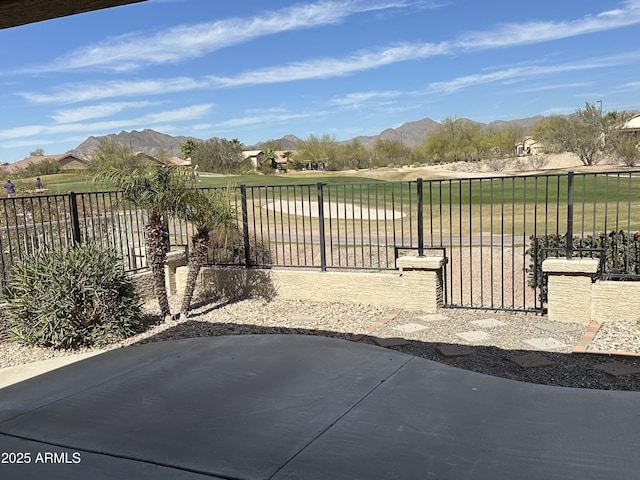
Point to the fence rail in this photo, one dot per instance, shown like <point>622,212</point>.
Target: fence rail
<point>495,230</point>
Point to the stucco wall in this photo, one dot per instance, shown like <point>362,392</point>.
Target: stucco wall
<point>574,297</point>
<point>615,301</point>
<point>410,289</point>
<point>414,290</point>
<point>569,299</point>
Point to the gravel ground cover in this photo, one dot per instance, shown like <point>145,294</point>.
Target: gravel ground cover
<point>492,339</point>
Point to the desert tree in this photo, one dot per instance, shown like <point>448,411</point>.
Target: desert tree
<point>38,152</point>
<point>499,142</point>
<point>318,150</point>
<point>355,154</point>
<point>454,139</point>
<point>112,155</point>
<point>210,213</point>
<point>587,132</point>
<point>218,155</point>
<point>391,151</point>
<point>161,192</point>
<point>627,149</point>
<point>188,147</point>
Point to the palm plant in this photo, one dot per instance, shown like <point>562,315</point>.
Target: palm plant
<point>208,212</point>
<point>161,193</point>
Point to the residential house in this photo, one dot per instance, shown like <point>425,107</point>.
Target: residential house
<point>145,159</point>
<point>67,161</point>
<point>255,156</point>
<point>282,159</point>
<point>529,146</point>
<point>179,161</point>
<point>632,126</point>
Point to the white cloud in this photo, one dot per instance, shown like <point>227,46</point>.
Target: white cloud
<point>333,67</point>
<point>265,118</point>
<point>183,42</point>
<point>538,32</point>
<point>556,86</point>
<point>95,111</point>
<point>71,93</point>
<point>357,98</point>
<point>516,73</point>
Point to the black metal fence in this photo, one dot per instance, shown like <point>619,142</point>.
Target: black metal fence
<point>490,229</point>
<point>56,221</point>
<point>494,231</point>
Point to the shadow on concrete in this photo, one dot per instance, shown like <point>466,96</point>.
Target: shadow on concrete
<point>565,370</point>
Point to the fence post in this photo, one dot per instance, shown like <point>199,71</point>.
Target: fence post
<point>323,252</point>
<point>420,218</point>
<point>245,226</point>
<point>569,237</point>
<point>75,219</point>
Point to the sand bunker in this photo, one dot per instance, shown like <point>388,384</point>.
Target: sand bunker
<point>338,211</point>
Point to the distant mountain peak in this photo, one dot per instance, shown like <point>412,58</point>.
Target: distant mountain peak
<point>411,134</point>
<point>147,141</point>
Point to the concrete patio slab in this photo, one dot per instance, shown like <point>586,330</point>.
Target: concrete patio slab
<point>289,406</point>
<point>235,407</point>
<point>450,424</point>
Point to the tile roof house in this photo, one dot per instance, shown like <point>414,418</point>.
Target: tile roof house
<point>282,158</point>
<point>141,158</point>
<point>633,124</point>
<point>529,146</point>
<point>179,161</point>
<point>255,156</point>
<point>67,161</point>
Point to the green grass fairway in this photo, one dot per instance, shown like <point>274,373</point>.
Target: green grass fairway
<point>611,198</point>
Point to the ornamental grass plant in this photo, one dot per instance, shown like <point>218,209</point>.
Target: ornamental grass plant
<point>74,297</point>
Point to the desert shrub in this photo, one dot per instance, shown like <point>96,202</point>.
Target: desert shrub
<point>497,164</point>
<point>537,162</point>
<point>267,169</point>
<point>619,252</point>
<point>73,297</point>
<point>4,326</point>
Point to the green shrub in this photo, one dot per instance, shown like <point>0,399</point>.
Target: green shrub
<point>70,298</point>
<point>267,169</point>
<point>619,252</point>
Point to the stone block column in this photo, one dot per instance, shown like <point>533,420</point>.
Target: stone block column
<point>174,260</point>
<point>570,288</point>
<point>424,274</point>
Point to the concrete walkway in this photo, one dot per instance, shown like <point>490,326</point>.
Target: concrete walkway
<point>309,407</point>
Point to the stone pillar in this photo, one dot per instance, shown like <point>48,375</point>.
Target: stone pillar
<point>174,260</point>
<point>426,275</point>
<point>570,284</point>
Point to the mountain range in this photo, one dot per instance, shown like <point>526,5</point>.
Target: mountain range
<point>410,134</point>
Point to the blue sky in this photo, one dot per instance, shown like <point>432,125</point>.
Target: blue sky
<point>256,70</point>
